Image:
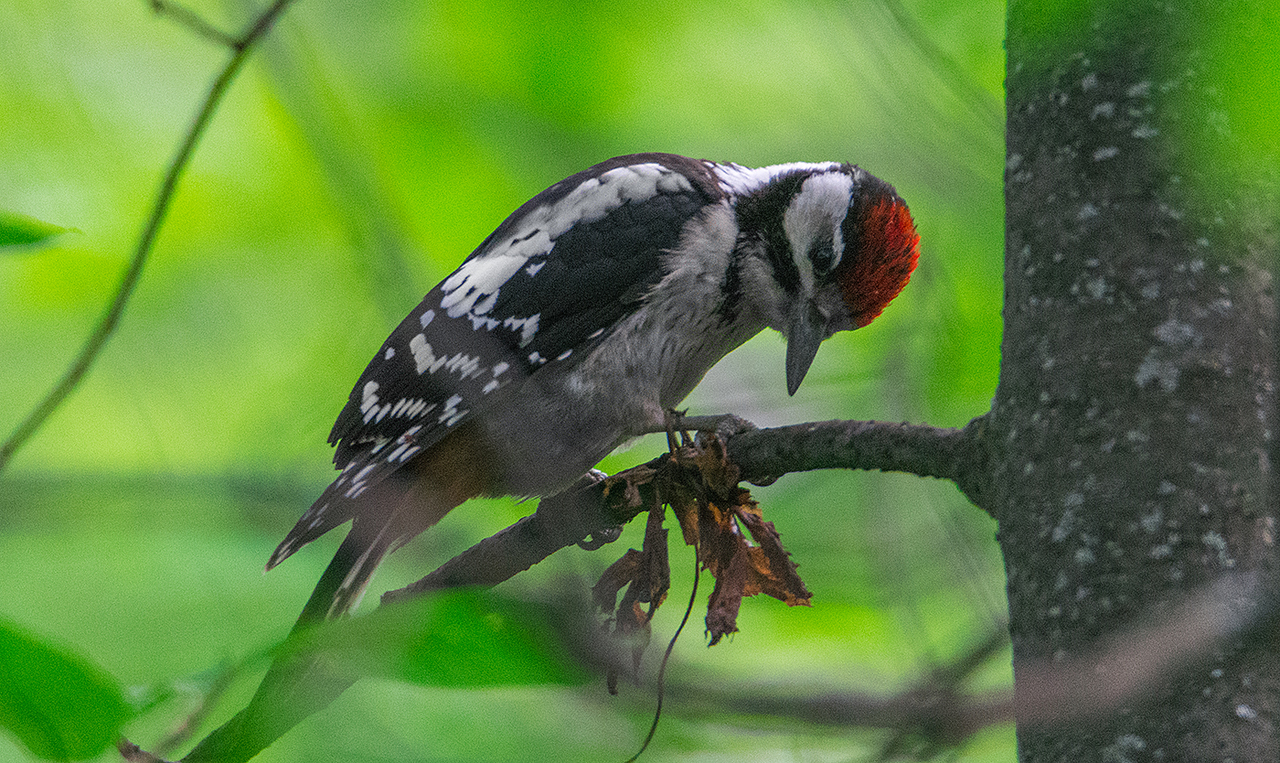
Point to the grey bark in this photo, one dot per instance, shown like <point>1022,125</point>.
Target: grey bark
<point>1130,436</point>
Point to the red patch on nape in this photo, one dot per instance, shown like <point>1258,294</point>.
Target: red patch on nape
<point>886,251</point>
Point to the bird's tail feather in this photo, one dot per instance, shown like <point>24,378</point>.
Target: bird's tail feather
<point>345,579</point>
<point>390,515</point>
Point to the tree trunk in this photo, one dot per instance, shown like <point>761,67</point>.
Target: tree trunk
<point>1130,437</point>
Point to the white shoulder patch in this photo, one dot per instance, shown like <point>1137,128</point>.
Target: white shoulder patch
<point>473,288</point>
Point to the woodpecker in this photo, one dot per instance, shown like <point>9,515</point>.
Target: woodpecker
<point>588,314</point>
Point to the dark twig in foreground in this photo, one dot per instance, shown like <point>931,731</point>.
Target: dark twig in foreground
<point>240,48</point>
<point>195,22</point>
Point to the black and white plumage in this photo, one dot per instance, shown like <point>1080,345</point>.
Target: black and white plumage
<point>594,308</point>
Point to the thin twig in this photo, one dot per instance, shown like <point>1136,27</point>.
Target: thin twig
<point>132,753</point>
<point>194,22</point>
<point>240,48</point>
<point>187,726</point>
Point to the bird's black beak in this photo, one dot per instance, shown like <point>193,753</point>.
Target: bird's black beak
<point>808,329</point>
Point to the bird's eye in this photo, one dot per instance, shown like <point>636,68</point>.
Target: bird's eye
<point>823,256</point>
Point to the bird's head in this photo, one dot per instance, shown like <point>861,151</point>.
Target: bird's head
<point>840,245</point>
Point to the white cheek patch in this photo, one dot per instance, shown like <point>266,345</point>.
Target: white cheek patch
<point>817,210</point>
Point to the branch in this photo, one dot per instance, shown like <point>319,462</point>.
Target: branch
<point>932,715</point>
<point>935,714</point>
<point>93,346</point>
<point>560,521</point>
<point>950,454</point>
<point>298,686</point>
<point>762,455</point>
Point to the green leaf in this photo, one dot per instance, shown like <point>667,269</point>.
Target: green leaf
<point>56,703</point>
<point>20,230</point>
<point>458,638</point>
<point>455,638</point>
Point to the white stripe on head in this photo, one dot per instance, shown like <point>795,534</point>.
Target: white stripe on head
<point>737,180</point>
<point>817,210</point>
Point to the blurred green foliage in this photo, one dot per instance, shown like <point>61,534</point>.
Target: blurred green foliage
<point>61,707</point>
<point>19,230</point>
<point>458,638</point>
<point>365,150</point>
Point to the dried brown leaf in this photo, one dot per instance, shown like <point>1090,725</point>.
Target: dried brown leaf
<point>646,575</point>
<point>619,574</point>
<point>779,576</point>
<point>726,598</point>
<point>716,515</point>
<point>657,568</point>
<point>622,490</point>
<point>720,538</point>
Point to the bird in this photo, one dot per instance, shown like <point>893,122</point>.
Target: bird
<point>580,323</point>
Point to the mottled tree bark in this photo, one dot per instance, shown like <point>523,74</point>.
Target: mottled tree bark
<point>1130,437</point>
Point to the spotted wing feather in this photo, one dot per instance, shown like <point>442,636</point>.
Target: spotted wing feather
<point>541,290</point>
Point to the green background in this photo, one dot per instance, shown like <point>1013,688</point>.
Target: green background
<point>363,152</point>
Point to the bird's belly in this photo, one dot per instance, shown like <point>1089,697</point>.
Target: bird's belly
<point>560,423</point>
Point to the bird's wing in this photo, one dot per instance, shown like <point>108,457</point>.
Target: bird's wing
<point>541,290</point>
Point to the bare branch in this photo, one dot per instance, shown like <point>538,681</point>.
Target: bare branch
<point>93,346</point>
<point>559,521</point>
<point>935,714</point>
<point>762,455</point>
<point>766,454</point>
